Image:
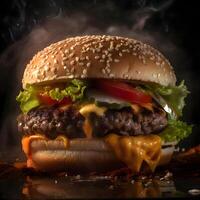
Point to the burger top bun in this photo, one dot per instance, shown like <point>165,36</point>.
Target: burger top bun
<point>97,56</point>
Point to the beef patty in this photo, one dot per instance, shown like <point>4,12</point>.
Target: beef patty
<point>53,121</point>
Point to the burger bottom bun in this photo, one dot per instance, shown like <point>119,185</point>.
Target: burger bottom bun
<point>80,156</point>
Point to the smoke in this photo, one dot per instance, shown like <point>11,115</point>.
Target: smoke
<point>54,21</point>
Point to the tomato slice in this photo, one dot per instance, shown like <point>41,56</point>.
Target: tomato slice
<point>123,91</point>
<point>65,101</point>
<point>47,100</point>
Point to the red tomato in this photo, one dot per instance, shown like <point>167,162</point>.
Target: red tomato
<point>65,101</point>
<point>123,91</point>
<point>47,100</point>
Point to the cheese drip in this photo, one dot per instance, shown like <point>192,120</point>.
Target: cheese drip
<point>85,111</point>
<point>134,150</point>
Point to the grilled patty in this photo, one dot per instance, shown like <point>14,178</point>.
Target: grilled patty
<point>53,121</point>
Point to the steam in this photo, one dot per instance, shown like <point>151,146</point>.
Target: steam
<point>59,23</point>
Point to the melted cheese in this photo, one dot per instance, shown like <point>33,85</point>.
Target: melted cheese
<point>134,150</point>
<point>85,111</point>
<point>89,108</point>
<point>148,106</point>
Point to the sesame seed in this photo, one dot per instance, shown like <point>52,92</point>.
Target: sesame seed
<point>108,70</point>
<point>101,60</point>
<point>144,61</point>
<point>111,75</point>
<point>77,59</point>
<point>88,64</point>
<point>107,64</point>
<point>120,54</point>
<point>71,76</point>
<point>157,63</point>
<point>87,58</point>
<point>65,58</point>
<point>106,52</point>
<point>116,60</point>
<point>97,57</point>
<point>72,62</point>
<point>109,59</point>
<point>138,72</point>
<point>84,71</point>
<point>82,58</point>
<point>55,61</point>
<point>103,56</point>
<point>111,45</point>
<point>46,68</point>
<point>65,67</point>
<point>103,71</point>
<point>66,51</point>
<point>71,55</point>
<point>152,58</point>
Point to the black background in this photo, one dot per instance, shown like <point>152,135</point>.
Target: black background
<point>172,26</point>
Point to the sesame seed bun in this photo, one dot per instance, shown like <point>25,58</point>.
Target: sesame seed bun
<point>82,156</point>
<point>93,56</point>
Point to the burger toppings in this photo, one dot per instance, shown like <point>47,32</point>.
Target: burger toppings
<point>134,151</point>
<point>123,91</point>
<point>33,96</point>
<point>120,100</point>
<point>52,121</point>
<point>47,100</point>
<point>172,96</point>
<point>91,121</point>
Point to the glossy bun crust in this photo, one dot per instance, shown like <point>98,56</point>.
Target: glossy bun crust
<point>109,57</point>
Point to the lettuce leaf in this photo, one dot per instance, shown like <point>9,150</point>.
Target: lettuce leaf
<point>28,99</point>
<point>173,96</point>
<point>176,131</point>
<point>75,90</point>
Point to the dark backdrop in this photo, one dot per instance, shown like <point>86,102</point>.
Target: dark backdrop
<point>28,26</point>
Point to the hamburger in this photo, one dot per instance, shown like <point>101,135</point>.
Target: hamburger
<point>94,104</point>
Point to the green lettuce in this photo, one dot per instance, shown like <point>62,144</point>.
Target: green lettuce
<point>173,96</point>
<point>28,99</point>
<point>75,90</point>
<point>175,131</point>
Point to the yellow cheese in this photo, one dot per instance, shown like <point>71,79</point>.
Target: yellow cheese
<point>134,150</point>
<point>27,140</point>
<point>85,111</point>
<point>89,108</point>
<point>148,106</point>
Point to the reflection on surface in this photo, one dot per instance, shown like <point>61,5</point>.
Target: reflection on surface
<point>91,187</point>
<point>18,182</point>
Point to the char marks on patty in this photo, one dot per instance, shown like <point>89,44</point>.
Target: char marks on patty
<point>53,121</point>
